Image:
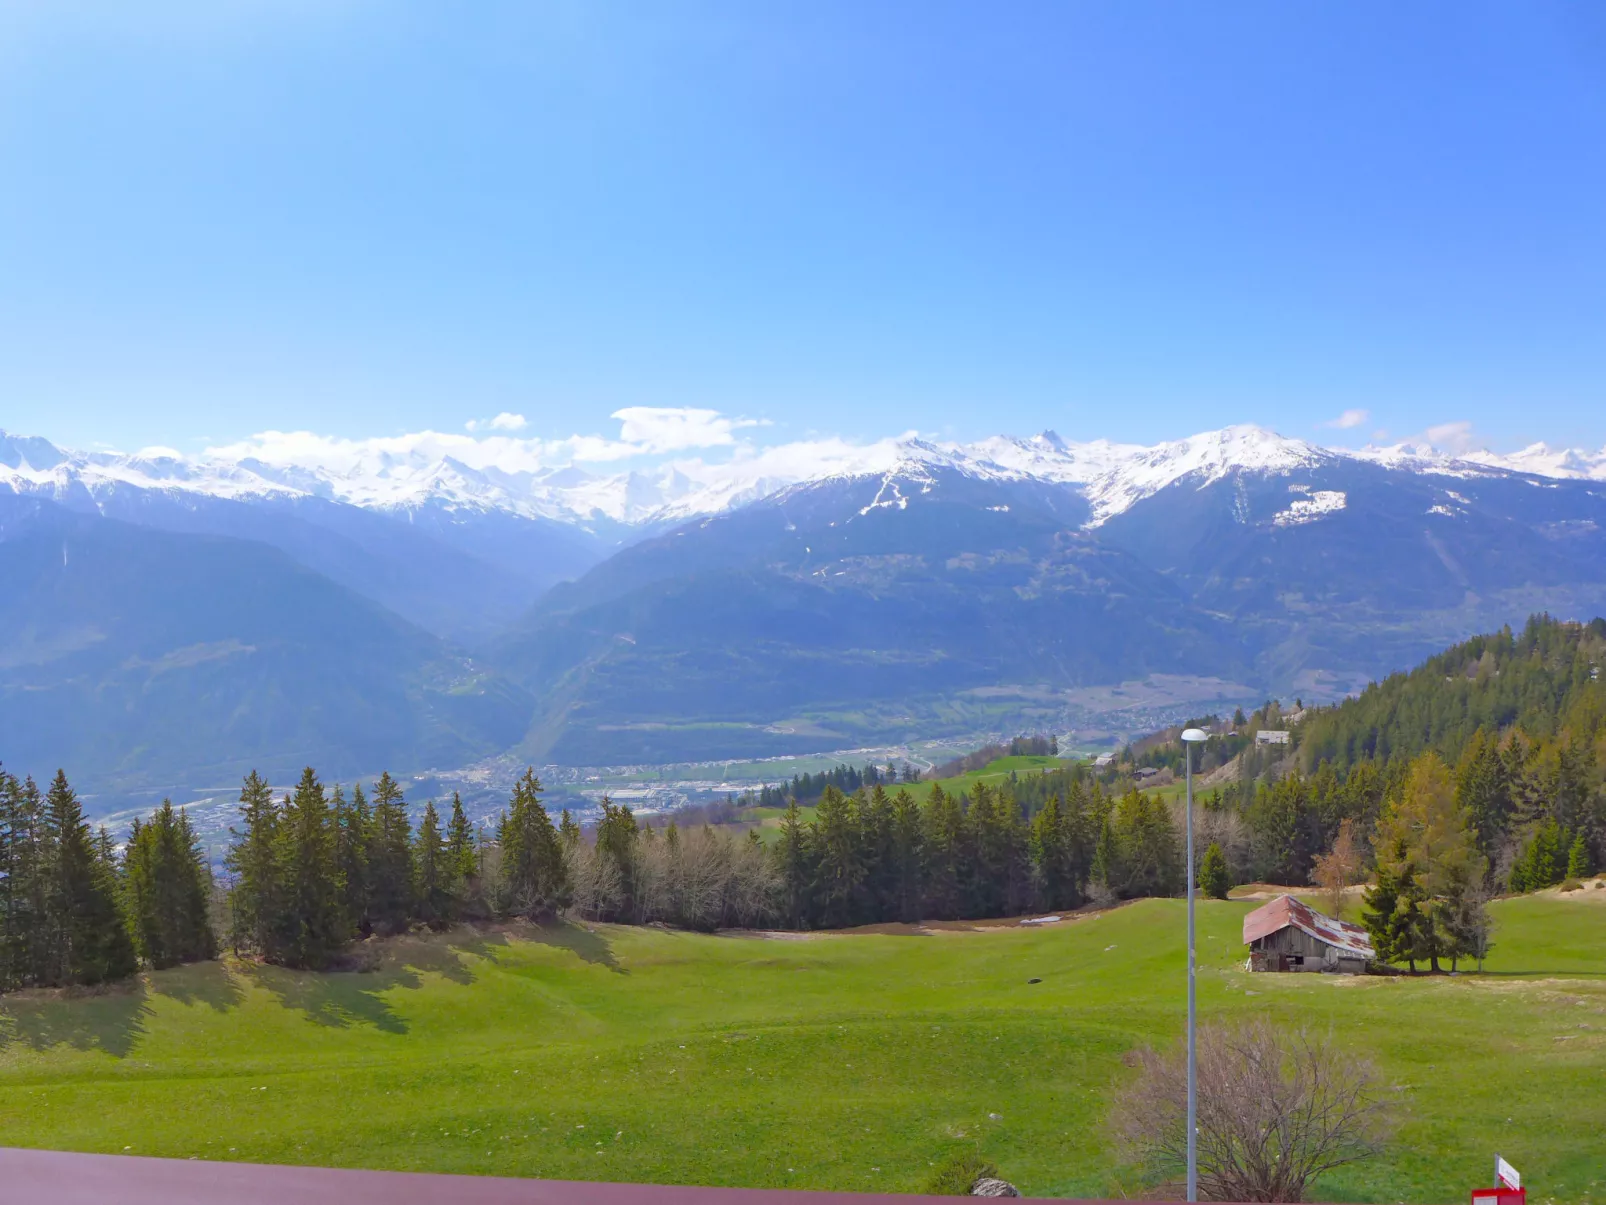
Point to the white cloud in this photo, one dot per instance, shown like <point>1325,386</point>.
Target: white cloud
<point>502,422</point>
<point>1349,419</point>
<point>674,428</point>
<point>1452,437</point>
<point>645,431</point>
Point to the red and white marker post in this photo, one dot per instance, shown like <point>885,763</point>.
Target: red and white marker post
<point>1508,1189</point>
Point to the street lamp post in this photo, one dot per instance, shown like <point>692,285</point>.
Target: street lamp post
<point>1191,737</point>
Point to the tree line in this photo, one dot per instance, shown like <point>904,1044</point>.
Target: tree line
<point>1517,721</point>
<point>1482,771</point>
<point>313,869</point>
<point>806,788</point>
<point>75,910</point>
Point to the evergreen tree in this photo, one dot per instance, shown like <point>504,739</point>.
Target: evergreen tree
<point>796,871</point>
<point>309,924</point>
<point>1578,858</point>
<point>616,842</point>
<point>943,845</point>
<point>535,881</point>
<point>390,858</point>
<point>1107,869</point>
<point>998,864</point>
<point>353,826</point>
<point>253,860</point>
<point>463,863</point>
<point>876,821</point>
<point>1149,854</point>
<point>1215,879</point>
<point>1426,841</point>
<point>839,864</point>
<point>1052,855</point>
<point>167,891</point>
<point>22,883</point>
<point>1482,788</point>
<point>83,920</point>
<point>906,857</point>
<point>433,891</point>
<point>1541,863</point>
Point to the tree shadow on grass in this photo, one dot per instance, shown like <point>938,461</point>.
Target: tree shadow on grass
<point>339,999</point>
<point>355,992</point>
<point>109,1018</point>
<point>586,944</point>
<point>208,983</point>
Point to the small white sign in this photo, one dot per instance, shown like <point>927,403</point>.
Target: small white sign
<point>1506,1174</point>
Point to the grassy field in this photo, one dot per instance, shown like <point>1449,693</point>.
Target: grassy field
<point>843,1061</point>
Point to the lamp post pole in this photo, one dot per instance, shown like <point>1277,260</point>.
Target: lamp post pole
<point>1189,738</point>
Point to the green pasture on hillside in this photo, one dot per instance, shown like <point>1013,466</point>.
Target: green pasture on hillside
<point>995,773</point>
<point>849,1061</point>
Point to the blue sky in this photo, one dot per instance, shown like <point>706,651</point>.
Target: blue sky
<point>1114,219</point>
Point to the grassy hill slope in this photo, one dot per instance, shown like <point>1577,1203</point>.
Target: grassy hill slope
<point>836,1061</point>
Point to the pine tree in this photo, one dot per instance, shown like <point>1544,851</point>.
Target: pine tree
<point>353,830</point>
<point>1541,863</point>
<point>616,842</point>
<point>310,924</point>
<point>167,890</point>
<point>1215,879</point>
<point>253,860</point>
<point>390,858</point>
<point>463,863</point>
<point>794,863</point>
<point>433,891</point>
<point>1578,858</point>
<point>89,934</point>
<point>535,882</point>
<point>1482,788</point>
<point>943,845</point>
<point>1051,854</point>
<point>906,857</point>
<point>22,885</point>
<point>1378,915</point>
<point>839,867</point>
<point>1107,870</point>
<point>876,819</point>
<point>1425,839</point>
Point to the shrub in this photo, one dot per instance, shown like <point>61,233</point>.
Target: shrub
<point>954,1176</point>
<point>1572,885</point>
<point>1276,1110</point>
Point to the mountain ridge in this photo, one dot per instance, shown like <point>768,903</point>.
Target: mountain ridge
<point>408,473</point>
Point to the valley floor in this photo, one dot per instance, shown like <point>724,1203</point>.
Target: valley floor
<point>851,1061</point>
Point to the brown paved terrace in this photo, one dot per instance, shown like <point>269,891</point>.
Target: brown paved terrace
<point>63,1178</point>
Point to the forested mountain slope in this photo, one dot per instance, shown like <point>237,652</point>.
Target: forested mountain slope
<point>1544,681</point>
<point>149,658</point>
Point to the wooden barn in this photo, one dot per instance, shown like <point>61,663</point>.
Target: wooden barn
<point>1286,935</point>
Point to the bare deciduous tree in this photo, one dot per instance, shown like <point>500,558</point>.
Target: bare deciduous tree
<point>1276,1110</point>
<point>1339,867</point>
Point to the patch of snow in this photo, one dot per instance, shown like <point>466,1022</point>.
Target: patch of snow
<point>1308,510</point>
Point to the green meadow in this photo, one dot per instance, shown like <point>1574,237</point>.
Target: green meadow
<point>848,1061</point>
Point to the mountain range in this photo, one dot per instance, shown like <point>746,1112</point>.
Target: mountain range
<point>429,602</point>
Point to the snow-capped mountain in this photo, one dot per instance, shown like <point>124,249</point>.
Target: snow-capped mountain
<point>461,474</point>
<point>632,602</point>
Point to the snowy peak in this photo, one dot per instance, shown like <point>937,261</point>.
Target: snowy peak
<point>533,480</point>
<point>1544,461</point>
<point>1202,459</point>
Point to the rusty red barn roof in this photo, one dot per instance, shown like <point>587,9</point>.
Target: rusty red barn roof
<point>1285,910</point>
